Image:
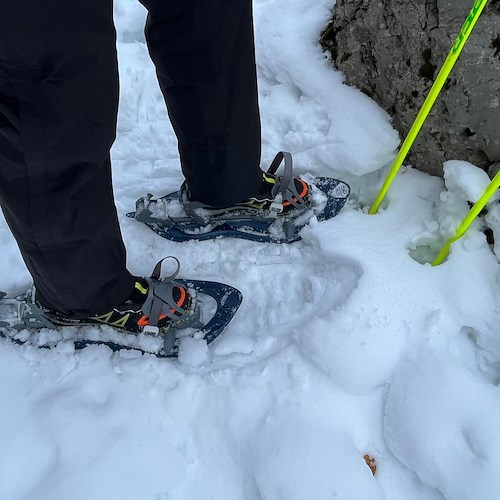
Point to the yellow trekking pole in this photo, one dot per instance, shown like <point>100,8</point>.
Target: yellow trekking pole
<point>473,213</point>
<point>450,61</point>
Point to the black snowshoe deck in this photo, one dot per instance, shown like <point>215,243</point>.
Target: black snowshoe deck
<point>18,324</point>
<point>267,230</point>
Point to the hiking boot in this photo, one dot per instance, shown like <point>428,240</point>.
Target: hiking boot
<point>277,196</point>
<point>170,304</point>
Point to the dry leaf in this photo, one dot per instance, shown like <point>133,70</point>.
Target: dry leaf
<point>370,461</point>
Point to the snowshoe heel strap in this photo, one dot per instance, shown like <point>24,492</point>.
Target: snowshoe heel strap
<point>287,177</point>
<point>156,274</point>
<point>286,189</point>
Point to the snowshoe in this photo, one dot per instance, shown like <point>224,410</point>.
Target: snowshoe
<point>277,219</point>
<point>213,305</point>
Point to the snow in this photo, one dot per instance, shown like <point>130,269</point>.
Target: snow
<point>347,344</point>
<point>466,179</point>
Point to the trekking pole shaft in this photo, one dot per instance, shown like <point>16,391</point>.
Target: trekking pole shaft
<point>450,61</point>
<point>469,218</point>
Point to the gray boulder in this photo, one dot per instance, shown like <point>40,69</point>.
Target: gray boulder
<point>392,50</point>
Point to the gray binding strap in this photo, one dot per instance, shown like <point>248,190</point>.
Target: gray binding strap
<point>154,316</point>
<point>155,275</point>
<point>36,315</point>
<point>160,294</point>
<point>294,197</point>
<point>285,182</point>
<point>287,176</point>
<point>144,214</point>
<point>287,188</point>
<point>29,315</point>
<point>193,209</point>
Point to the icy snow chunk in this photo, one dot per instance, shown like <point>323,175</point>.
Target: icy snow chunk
<point>192,351</point>
<point>463,177</point>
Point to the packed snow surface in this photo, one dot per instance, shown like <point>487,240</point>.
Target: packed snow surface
<point>348,344</point>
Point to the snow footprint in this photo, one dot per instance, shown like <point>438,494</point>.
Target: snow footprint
<point>285,295</point>
<point>478,352</point>
<point>294,293</point>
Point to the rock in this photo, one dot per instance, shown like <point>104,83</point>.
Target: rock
<point>392,50</point>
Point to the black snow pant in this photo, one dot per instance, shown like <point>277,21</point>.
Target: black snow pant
<point>58,106</point>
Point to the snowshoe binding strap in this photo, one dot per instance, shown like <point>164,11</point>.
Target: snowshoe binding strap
<point>144,214</point>
<point>24,312</point>
<point>193,209</point>
<point>159,302</point>
<point>285,189</point>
